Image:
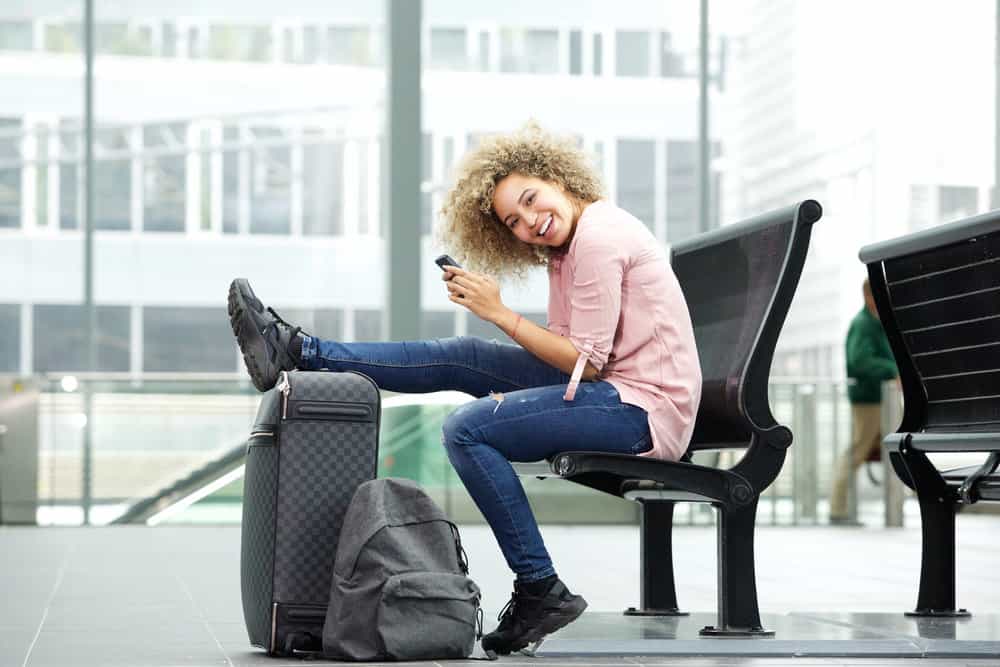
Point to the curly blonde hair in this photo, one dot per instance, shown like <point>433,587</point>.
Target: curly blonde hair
<point>470,228</point>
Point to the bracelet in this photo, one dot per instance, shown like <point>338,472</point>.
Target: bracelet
<point>513,334</point>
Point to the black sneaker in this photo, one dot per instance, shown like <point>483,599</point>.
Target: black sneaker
<point>264,338</point>
<point>527,619</point>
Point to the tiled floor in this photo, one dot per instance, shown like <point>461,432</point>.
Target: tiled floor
<point>170,596</point>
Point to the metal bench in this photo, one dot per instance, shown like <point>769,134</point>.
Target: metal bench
<point>738,282</point>
<point>938,296</point>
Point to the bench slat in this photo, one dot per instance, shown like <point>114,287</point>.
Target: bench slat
<point>971,386</point>
<point>965,308</point>
<point>963,360</point>
<point>970,278</point>
<point>965,334</point>
<point>970,413</point>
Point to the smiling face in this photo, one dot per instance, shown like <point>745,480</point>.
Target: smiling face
<point>536,211</point>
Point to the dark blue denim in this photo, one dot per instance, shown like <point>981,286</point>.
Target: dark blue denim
<point>520,415</point>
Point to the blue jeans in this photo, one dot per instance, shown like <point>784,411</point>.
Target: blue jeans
<point>529,422</point>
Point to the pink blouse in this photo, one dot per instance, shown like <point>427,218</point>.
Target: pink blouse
<point>616,298</point>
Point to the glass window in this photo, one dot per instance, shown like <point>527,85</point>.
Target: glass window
<point>246,43</point>
<point>598,54</point>
<point>42,167</point>
<point>123,39</point>
<point>362,167</point>
<point>112,194</point>
<point>448,49</point>
<point>69,196</point>
<point>195,48</point>
<point>10,197</point>
<point>231,165</point>
<point>310,44</point>
<point>168,40</point>
<point>323,189</point>
<point>60,338</point>
<point>484,52</point>
<point>542,51</point>
<point>328,323</point>
<point>921,208</point>
<point>957,202</point>
<point>671,62</point>
<point>348,46</point>
<point>207,180</point>
<point>270,188</point>
<point>63,37</point>
<point>437,324</point>
<point>367,325</point>
<point>529,51</point>
<point>682,190</point>
<point>112,180</point>
<point>194,339</point>
<point>10,338</point>
<point>10,176</point>
<point>575,52</point>
<point>426,197</point>
<point>632,53</point>
<point>16,36</point>
<point>163,177</point>
<point>635,167</point>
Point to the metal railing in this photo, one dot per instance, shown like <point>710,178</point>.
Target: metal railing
<point>153,431</point>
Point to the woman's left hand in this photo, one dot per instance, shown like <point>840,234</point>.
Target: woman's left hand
<point>477,292</point>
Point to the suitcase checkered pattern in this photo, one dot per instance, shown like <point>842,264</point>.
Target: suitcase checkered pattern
<point>321,467</point>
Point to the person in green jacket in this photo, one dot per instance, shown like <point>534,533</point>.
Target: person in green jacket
<point>869,364</point>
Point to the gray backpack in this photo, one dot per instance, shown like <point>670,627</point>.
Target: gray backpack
<point>400,588</point>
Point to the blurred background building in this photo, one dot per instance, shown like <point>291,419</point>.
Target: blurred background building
<point>247,139</point>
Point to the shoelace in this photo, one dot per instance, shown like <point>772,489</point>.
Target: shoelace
<point>508,609</point>
<point>295,331</point>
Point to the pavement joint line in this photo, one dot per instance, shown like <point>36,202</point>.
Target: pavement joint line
<point>201,616</point>
<point>48,603</point>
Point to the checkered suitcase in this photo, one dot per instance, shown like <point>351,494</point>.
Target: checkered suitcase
<point>315,440</point>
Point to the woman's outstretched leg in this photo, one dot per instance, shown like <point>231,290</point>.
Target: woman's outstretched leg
<point>471,365</point>
<point>467,364</point>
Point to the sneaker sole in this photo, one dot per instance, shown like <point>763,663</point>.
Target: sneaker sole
<point>554,621</point>
<point>246,334</point>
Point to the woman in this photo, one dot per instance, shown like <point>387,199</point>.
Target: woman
<point>617,321</point>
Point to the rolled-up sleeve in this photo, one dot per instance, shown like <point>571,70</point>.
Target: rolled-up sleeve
<point>595,302</point>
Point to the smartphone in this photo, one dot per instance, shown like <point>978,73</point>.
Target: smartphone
<point>446,260</point>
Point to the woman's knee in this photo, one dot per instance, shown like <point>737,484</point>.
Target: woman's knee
<point>458,431</point>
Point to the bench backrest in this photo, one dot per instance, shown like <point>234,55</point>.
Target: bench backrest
<point>938,296</point>
<point>738,282</point>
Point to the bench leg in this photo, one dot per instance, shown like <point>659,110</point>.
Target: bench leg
<point>657,595</point>
<point>936,596</point>
<point>937,562</point>
<point>739,614</point>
